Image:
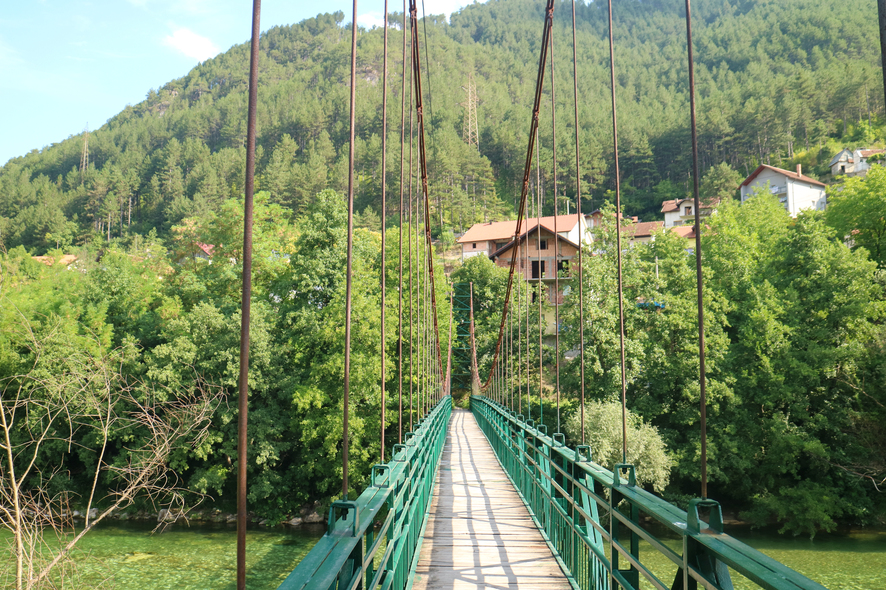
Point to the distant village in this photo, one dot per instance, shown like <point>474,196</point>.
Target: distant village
<point>536,259</point>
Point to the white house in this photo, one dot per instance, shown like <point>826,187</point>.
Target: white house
<point>853,163</point>
<point>795,191</point>
<point>679,212</point>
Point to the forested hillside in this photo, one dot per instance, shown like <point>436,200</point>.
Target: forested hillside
<point>776,80</point>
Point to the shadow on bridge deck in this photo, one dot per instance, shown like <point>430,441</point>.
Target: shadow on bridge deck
<point>479,533</point>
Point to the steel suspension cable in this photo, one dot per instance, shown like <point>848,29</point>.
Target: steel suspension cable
<point>411,214</point>
<point>384,218</point>
<point>511,357</point>
<point>423,166</point>
<point>347,381</point>
<point>556,240</point>
<point>400,222</point>
<point>528,298</point>
<point>581,285</point>
<point>246,300</point>
<point>539,85</point>
<point>540,287</point>
<point>621,311</point>
<point>698,274</point>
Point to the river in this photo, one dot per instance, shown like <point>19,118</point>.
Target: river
<point>202,557</point>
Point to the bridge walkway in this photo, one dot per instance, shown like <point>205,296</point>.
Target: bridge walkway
<point>479,533</point>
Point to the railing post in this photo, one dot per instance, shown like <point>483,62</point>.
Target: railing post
<point>631,575</point>
<point>598,578</point>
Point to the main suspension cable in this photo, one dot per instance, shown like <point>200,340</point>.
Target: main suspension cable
<point>539,85</point>
<point>423,166</point>
<point>411,215</point>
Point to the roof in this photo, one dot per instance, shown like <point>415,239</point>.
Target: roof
<point>684,231</point>
<point>839,155</point>
<point>597,213</point>
<point>643,229</point>
<point>504,230</point>
<point>674,204</point>
<point>794,175</point>
<point>525,235</point>
<point>869,153</point>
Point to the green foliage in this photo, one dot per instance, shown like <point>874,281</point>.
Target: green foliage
<point>791,330</point>
<point>857,211</point>
<point>603,432</point>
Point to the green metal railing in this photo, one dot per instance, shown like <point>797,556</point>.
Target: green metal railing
<point>354,553</point>
<point>566,492</point>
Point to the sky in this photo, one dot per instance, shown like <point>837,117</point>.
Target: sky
<point>69,64</point>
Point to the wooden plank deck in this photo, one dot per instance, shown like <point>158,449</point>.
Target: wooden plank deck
<point>479,533</point>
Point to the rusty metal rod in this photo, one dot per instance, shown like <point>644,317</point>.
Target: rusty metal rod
<point>384,218</point>
<point>581,286</point>
<point>621,310</point>
<point>698,274</point>
<point>410,216</point>
<point>347,384</point>
<point>245,302</point>
<point>556,241</point>
<point>400,222</point>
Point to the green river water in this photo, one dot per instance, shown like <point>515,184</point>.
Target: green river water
<point>202,557</point>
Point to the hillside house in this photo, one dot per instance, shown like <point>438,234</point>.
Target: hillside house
<point>641,232</point>
<point>541,256</point>
<point>795,191</point>
<point>487,238</point>
<point>679,212</point>
<point>854,162</point>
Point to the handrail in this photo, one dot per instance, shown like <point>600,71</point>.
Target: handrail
<point>565,492</point>
<point>353,553</point>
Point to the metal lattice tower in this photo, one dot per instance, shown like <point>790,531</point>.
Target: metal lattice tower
<point>461,343</point>
<point>470,130</point>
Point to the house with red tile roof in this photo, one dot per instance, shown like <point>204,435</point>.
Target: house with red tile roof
<point>641,232</point>
<point>488,237</point>
<point>795,190</point>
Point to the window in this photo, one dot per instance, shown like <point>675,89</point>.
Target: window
<point>538,269</point>
<point>687,210</point>
<point>474,245</point>
<point>542,244</point>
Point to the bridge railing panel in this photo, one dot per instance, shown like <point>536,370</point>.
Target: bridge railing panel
<point>354,553</point>
<point>566,494</point>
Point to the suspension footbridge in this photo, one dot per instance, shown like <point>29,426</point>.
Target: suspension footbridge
<point>485,497</point>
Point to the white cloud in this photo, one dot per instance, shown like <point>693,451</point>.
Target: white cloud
<point>446,7</point>
<point>191,44</point>
<point>370,19</point>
